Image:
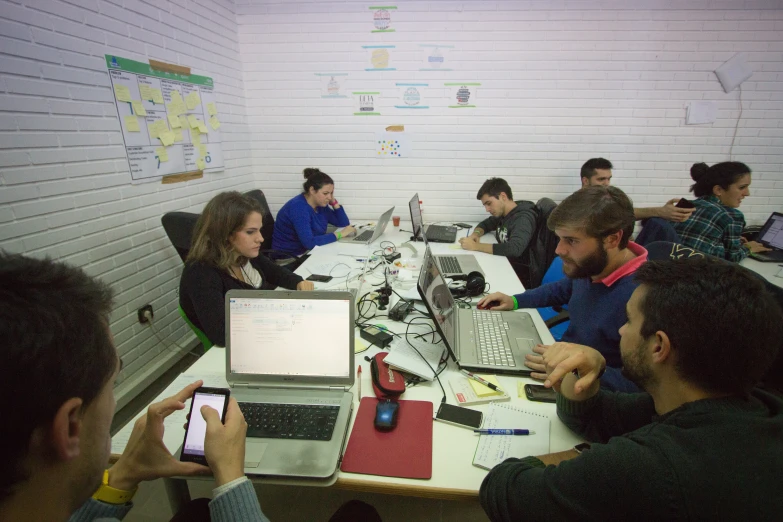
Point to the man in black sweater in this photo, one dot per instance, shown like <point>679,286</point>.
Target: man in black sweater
<point>514,225</point>
<point>700,444</point>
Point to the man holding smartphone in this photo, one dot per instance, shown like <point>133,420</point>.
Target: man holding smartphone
<point>702,442</point>
<point>57,371</point>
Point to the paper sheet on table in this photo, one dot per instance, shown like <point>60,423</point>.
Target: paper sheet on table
<point>405,358</point>
<point>174,431</point>
<point>410,294</point>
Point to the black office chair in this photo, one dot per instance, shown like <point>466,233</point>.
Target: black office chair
<point>541,252</point>
<point>285,259</point>
<point>179,228</point>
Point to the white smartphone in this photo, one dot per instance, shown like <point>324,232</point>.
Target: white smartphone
<point>193,445</point>
<point>459,416</point>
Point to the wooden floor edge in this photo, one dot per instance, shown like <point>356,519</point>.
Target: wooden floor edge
<point>407,490</point>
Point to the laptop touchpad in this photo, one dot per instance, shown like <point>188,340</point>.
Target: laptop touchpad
<point>525,345</point>
<point>254,452</point>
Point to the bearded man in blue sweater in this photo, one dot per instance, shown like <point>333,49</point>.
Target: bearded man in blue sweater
<point>594,225</point>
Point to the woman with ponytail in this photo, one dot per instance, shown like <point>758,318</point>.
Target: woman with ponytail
<point>716,225</point>
<point>301,223</point>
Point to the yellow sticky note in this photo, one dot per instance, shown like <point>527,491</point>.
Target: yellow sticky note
<point>158,128</point>
<point>192,121</point>
<point>174,121</point>
<point>359,346</point>
<point>132,124</point>
<point>178,135</point>
<point>183,121</point>
<point>122,92</point>
<point>175,96</point>
<point>138,108</point>
<point>202,151</point>
<point>213,111</point>
<point>173,109</point>
<point>484,391</point>
<point>157,97</point>
<point>146,91</point>
<point>214,123</point>
<point>167,138</point>
<point>162,154</point>
<point>194,136</point>
<point>202,127</point>
<point>200,164</point>
<point>192,100</point>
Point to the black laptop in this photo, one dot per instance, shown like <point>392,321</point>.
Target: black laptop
<point>434,233</point>
<point>771,236</point>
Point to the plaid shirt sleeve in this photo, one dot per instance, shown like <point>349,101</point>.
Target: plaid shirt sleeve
<point>714,229</point>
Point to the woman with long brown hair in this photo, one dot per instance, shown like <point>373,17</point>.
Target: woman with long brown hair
<point>225,256</point>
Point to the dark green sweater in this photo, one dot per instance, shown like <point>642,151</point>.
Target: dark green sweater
<point>714,459</point>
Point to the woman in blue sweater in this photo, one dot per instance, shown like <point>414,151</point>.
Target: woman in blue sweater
<point>301,223</point>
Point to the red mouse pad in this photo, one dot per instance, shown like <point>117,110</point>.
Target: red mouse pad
<point>405,451</point>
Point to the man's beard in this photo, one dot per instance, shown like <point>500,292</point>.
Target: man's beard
<point>635,370</point>
<point>592,265</point>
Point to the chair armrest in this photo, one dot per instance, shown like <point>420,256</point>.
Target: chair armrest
<point>562,317</point>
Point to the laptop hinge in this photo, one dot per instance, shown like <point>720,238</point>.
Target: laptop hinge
<point>337,388</point>
<point>240,385</point>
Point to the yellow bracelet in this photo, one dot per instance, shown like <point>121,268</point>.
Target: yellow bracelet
<point>110,495</point>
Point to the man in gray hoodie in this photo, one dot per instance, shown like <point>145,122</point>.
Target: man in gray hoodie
<point>514,224</point>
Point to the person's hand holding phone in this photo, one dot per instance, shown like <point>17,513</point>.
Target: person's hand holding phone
<point>305,285</point>
<point>562,359</point>
<point>146,457</point>
<point>677,210</point>
<point>224,444</point>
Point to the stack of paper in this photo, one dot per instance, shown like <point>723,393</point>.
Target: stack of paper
<point>405,358</point>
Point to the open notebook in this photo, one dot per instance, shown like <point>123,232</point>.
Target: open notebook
<point>494,449</point>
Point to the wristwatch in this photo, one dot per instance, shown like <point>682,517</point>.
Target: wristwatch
<point>579,448</point>
<point>110,495</point>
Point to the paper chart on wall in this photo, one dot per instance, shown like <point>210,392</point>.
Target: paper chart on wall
<point>154,98</point>
<point>393,145</point>
<point>333,84</point>
<point>365,103</point>
<point>461,95</point>
<point>379,57</point>
<point>382,18</point>
<point>435,57</point>
<point>412,96</point>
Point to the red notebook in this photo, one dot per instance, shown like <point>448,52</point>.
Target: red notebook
<point>405,452</point>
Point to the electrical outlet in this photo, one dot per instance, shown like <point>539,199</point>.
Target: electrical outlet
<point>142,313</point>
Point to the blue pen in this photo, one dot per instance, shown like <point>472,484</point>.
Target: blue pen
<point>504,432</point>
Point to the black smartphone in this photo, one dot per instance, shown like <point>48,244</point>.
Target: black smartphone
<point>684,203</point>
<point>193,445</point>
<point>319,278</point>
<point>540,393</point>
<point>459,416</point>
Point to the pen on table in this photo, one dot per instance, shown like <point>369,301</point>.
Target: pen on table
<point>497,431</point>
<point>468,234</point>
<point>359,378</point>
<point>479,379</point>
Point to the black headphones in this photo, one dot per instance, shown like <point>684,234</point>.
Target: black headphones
<point>474,285</point>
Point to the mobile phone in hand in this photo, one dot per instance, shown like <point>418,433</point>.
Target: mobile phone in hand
<point>319,278</point>
<point>193,445</point>
<point>684,203</point>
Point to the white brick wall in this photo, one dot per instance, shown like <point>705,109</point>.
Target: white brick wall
<point>64,181</point>
<point>562,81</point>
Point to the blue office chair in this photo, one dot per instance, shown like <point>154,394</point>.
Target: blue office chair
<point>555,318</point>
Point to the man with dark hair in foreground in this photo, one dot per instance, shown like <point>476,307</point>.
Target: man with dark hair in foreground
<point>58,365</point>
<point>701,443</point>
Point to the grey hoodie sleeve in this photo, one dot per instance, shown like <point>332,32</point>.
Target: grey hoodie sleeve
<point>521,225</point>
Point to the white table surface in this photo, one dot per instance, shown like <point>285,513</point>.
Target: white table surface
<point>453,475</point>
<point>772,272</point>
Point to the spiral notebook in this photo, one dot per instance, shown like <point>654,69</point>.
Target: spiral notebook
<point>494,449</point>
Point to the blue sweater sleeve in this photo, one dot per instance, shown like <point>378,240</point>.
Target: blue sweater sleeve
<point>556,293</point>
<point>304,231</point>
<point>337,217</point>
<point>97,510</point>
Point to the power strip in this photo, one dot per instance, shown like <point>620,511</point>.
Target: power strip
<point>401,310</point>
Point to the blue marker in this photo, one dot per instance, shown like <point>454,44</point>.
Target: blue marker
<point>504,432</point>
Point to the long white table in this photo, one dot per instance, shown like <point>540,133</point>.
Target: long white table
<point>772,272</point>
<point>454,476</point>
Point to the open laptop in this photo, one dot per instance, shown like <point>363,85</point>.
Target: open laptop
<point>371,234</point>
<point>480,340</point>
<point>771,236</point>
<point>449,264</point>
<point>289,363</point>
<point>434,233</point>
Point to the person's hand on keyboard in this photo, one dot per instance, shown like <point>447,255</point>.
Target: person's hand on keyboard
<point>504,302</point>
<point>348,231</point>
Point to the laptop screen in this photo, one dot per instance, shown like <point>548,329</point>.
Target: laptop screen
<point>437,296</point>
<point>415,215</point>
<point>772,233</point>
<point>290,337</point>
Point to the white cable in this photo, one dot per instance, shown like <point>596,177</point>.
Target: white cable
<point>736,126</point>
<point>163,341</point>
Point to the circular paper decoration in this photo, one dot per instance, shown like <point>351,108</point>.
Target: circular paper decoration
<point>382,19</point>
<point>380,58</point>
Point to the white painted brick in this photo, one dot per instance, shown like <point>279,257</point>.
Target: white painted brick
<point>15,30</point>
<point>35,88</point>
<point>55,7</point>
<point>45,123</point>
<point>42,207</point>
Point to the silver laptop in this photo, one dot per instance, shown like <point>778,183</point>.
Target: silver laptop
<point>369,235</point>
<point>449,264</point>
<point>289,363</point>
<point>480,340</point>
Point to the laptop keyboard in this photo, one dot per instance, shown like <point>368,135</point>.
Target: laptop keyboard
<point>492,339</point>
<point>364,236</point>
<point>449,265</point>
<point>289,421</point>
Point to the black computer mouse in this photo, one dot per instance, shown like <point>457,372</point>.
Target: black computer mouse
<point>386,415</point>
